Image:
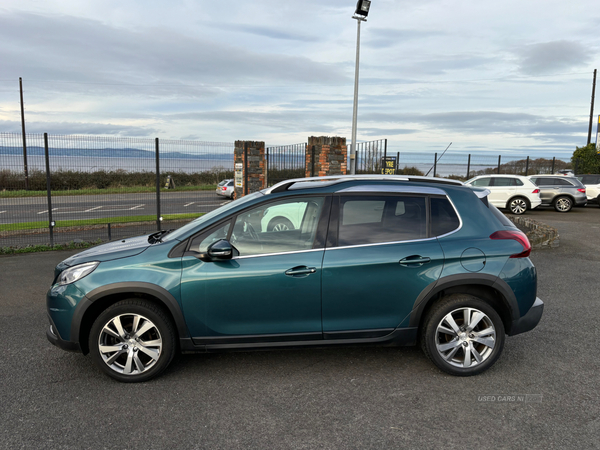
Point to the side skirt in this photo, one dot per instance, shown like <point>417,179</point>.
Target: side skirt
<point>397,337</point>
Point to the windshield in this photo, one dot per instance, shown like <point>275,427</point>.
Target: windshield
<point>180,232</point>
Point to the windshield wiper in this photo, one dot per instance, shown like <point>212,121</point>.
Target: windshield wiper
<point>157,237</point>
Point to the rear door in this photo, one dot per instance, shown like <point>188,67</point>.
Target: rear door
<point>503,189</point>
<point>378,260</point>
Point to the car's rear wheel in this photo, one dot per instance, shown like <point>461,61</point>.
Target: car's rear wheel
<point>132,341</point>
<point>280,224</point>
<point>462,335</point>
<point>518,205</point>
<point>563,204</point>
<point>598,200</point>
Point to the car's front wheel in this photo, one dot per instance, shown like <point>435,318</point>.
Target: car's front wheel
<point>463,335</point>
<point>563,204</point>
<point>132,341</point>
<point>518,205</point>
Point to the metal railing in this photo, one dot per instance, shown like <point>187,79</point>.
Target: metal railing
<point>87,188</point>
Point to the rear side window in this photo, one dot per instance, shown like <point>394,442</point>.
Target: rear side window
<point>443,217</point>
<point>507,182</point>
<point>374,219</point>
<point>563,182</point>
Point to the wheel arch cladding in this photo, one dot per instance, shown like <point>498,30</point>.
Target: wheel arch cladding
<point>485,287</point>
<point>101,298</point>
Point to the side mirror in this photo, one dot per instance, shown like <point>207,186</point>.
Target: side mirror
<point>220,250</point>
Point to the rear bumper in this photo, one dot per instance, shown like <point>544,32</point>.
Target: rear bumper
<point>530,320</point>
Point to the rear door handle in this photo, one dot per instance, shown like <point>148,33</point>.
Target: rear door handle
<point>300,270</point>
<point>416,260</point>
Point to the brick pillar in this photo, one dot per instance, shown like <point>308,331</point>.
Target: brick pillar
<point>250,168</point>
<point>330,155</point>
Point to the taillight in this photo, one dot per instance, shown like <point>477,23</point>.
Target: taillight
<point>515,235</point>
<point>581,190</point>
<point>224,188</point>
<point>536,191</point>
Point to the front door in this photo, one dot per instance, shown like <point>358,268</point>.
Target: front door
<point>272,288</point>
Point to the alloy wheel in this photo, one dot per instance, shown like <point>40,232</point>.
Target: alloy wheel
<point>130,344</point>
<point>465,337</point>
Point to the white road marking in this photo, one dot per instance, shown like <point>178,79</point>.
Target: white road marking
<point>93,209</point>
<point>46,212</point>
<point>136,207</point>
<point>185,206</point>
<point>2,212</point>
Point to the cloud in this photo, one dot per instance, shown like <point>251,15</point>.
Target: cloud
<point>66,128</point>
<point>389,37</point>
<point>549,57</point>
<point>72,49</point>
<point>270,32</point>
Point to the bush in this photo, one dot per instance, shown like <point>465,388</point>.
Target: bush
<point>66,180</point>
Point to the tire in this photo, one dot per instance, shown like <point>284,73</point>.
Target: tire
<point>518,205</point>
<point>122,355</point>
<point>563,204</point>
<point>454,349</point>
<point>598,200</point>
<point>280,224</point>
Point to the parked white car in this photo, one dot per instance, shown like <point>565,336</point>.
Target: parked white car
<point>513,192</point>
<point>592,187</point>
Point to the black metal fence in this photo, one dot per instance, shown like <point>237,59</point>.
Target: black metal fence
<point>87,188</point>
<point>285,162</point>
<point>70,188</point>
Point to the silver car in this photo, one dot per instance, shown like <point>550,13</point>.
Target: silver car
<point>560,191</point>
<point>226,188</point>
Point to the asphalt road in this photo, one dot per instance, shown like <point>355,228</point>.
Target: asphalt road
<point>33,209</point>
<point>343,398</point>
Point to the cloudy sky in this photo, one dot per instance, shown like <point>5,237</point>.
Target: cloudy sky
<point>510,76</point>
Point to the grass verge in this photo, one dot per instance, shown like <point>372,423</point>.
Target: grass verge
<point>88,222</point>
<point>47,248</point>
<point>123,190</point>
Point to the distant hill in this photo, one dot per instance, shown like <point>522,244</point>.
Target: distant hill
<point>107,153</point>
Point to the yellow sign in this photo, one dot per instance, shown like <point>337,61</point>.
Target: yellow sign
<point>388,165</point>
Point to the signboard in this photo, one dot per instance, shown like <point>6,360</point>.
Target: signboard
<point>388,165</point>
<point>239,175</point>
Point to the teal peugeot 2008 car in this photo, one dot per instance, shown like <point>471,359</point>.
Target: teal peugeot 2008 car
<point>367,260</point>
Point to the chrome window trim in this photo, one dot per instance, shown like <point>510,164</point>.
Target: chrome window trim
<point>279,253</point>
<point>382,243</point>
<point>460,225</point>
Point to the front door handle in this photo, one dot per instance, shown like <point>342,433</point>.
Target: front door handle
<point>415,260</point>
<point>300,270</point>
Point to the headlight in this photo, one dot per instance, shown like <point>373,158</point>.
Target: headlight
<point>75,273</point>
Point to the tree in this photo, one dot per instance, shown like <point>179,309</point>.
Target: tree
<point>586,160</point>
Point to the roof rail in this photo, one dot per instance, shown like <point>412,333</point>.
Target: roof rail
<point>334,179</point>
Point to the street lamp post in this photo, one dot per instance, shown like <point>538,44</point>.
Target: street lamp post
<point>361,13</point>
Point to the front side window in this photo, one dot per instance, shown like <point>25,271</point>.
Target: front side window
<point>481,182</point>
<point>374,219</point>
<point>284,226</point>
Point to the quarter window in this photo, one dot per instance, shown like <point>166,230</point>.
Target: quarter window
<point>443,217</point>
<point>371,220</point>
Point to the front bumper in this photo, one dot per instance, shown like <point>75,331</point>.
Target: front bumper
<point>530,320</point>
<point>55,339</point>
